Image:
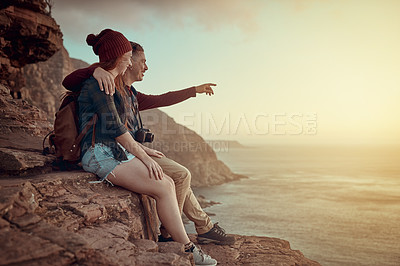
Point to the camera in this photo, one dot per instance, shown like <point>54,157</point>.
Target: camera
<point>144,135</point>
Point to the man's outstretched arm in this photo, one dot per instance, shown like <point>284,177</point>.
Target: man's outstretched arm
<point>74,81</point>
<point>173,97</point>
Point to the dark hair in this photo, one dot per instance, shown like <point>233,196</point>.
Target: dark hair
<point>136,48</point>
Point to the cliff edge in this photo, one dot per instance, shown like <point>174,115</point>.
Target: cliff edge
<point>62,218</point>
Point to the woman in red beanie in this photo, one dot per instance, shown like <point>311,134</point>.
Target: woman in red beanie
<point>112,153</point>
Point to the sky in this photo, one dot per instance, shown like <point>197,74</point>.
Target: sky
<point>287,71</point>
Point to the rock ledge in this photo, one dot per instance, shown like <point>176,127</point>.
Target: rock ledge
<point>63,217</point>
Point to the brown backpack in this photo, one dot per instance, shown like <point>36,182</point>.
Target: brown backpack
<point>64,140</point>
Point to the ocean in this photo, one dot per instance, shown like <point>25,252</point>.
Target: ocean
<point>339,205</point>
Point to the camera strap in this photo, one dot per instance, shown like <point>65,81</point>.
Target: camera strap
<point>140,119</point>
<point>135,107</point>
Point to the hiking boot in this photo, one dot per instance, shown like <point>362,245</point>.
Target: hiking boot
<point>202,259</point>
<point>216,235</point>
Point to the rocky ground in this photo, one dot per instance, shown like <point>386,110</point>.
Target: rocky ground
<point>61,217</point>
<point>254,250</point>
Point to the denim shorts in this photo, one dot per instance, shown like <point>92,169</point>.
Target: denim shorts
<point>100,160</point>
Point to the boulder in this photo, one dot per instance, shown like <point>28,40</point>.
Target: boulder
<point>28,34</point>
<point>22,128</point>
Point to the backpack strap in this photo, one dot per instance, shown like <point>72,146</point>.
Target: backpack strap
<point>50,149</point>
<point>94,129</point>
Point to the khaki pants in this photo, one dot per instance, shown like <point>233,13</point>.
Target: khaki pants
<point>187,201</point>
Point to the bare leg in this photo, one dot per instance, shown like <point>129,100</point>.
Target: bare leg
<point>186,199</point>
<point>134,176</point>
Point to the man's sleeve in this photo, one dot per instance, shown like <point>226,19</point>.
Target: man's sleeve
<point>73,82</point>
<point>154,101</point>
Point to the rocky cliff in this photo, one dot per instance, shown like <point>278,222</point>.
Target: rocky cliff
<point>62,219</point>
<point>43,82</point>
<point>22,127</point>
<point>28,34</point>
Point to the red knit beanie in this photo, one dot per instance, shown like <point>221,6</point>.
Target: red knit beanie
<point>108,44</point>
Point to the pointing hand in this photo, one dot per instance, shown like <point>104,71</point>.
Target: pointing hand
<point>205,88</point>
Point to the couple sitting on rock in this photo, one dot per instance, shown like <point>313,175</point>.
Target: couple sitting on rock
<point>115,156</point>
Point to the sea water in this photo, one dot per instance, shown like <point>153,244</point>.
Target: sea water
<point>338,205</point>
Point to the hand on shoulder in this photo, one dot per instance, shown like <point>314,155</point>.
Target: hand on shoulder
<point>105,80</point>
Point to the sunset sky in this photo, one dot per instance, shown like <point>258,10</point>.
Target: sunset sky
<point>307,71</point>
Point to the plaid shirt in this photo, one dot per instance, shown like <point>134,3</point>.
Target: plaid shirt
<point>114,117</point>
<point>131,115</point>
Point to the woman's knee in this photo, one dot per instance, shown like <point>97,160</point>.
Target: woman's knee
<point>169,183</point>
<point>165,188</point>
